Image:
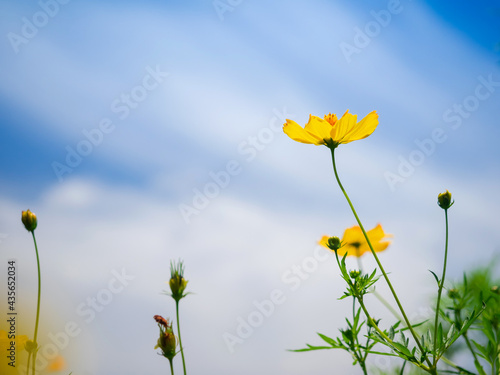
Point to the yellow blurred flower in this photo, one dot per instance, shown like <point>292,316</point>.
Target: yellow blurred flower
<point>57,364</point>
<point>354,242</point>
<point>331,131</point>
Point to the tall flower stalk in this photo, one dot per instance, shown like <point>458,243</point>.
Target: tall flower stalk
<point>445,202</point>
<point>30,222</point>
<point>177,285</point>
<point>381,267</point>
<point>331,132</point>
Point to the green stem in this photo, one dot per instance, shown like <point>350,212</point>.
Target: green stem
<point>458,318</point>
<point>376,294</point>
<point>171,367</point>
<point>363,307</point>
<point>387,305</point>
<point>38,303</point>
<point>440,289</point>
<point>377,260</point>
<point>403,368</point>
<point>28,365</point>
<point>179,334</point>
<point>359,356</point>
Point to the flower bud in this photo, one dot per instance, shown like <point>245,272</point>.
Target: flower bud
<point>444,200</point>
<point>453,293</point>
<point>354,274</point>
<point>29,220</point>
<point>177,281</point>
<point>334,243</point>
<point>30,346</point>
<point>167,341</point>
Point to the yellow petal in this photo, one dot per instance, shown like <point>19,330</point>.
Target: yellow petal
<point>318,128</point>
<point>343,126</point>
<point>363,129</point>
<point>297,133</point>
<point>324,242</point>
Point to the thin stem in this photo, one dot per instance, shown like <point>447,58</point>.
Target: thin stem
<point>403,368</point>
<point>386,304</point>
<point>458,318</point>
<point>179,334</point>
<point>28,365</point>
<point>358,354</point>
<point>377,260</point>
<point>440,288</point>
<point>38,303</point>
<point>171,367</point>
<point>362,305</point>
<point>376,294</point>
<point>363,366</point>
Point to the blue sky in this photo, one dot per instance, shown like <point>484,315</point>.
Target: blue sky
<point>142,104</point>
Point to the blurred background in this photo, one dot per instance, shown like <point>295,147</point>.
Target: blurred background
<point>141,132</point>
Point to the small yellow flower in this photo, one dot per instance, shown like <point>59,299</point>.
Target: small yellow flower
<point>331,131</point>
<point>354,242</point>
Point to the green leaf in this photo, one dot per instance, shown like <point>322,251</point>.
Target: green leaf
<point>310,348</point>
<point>451,332</point>
<point>413,325</point>
<point>356,317</point>
<point>391,333</point>
<point>403,349</point>
<point>483,351</point>
<point>383,353</point>
<point>488,331</point>
<point>435,276</point>
<point>328,339</point>
<point>439,337</point>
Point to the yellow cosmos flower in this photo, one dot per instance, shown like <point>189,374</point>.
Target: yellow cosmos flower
<point>354,242</point>
<point>331,131</point>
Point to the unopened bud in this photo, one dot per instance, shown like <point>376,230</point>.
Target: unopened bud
<point>177,281</point>
<point>354,274</point>
<point>30,346</point>
<point>444,200</point>
<point>453,293</point>
<point>334,243</point>
<point>167,341</point>
<point>29,220</point>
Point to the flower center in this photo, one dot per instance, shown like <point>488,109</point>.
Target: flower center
<point>331,119</point>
